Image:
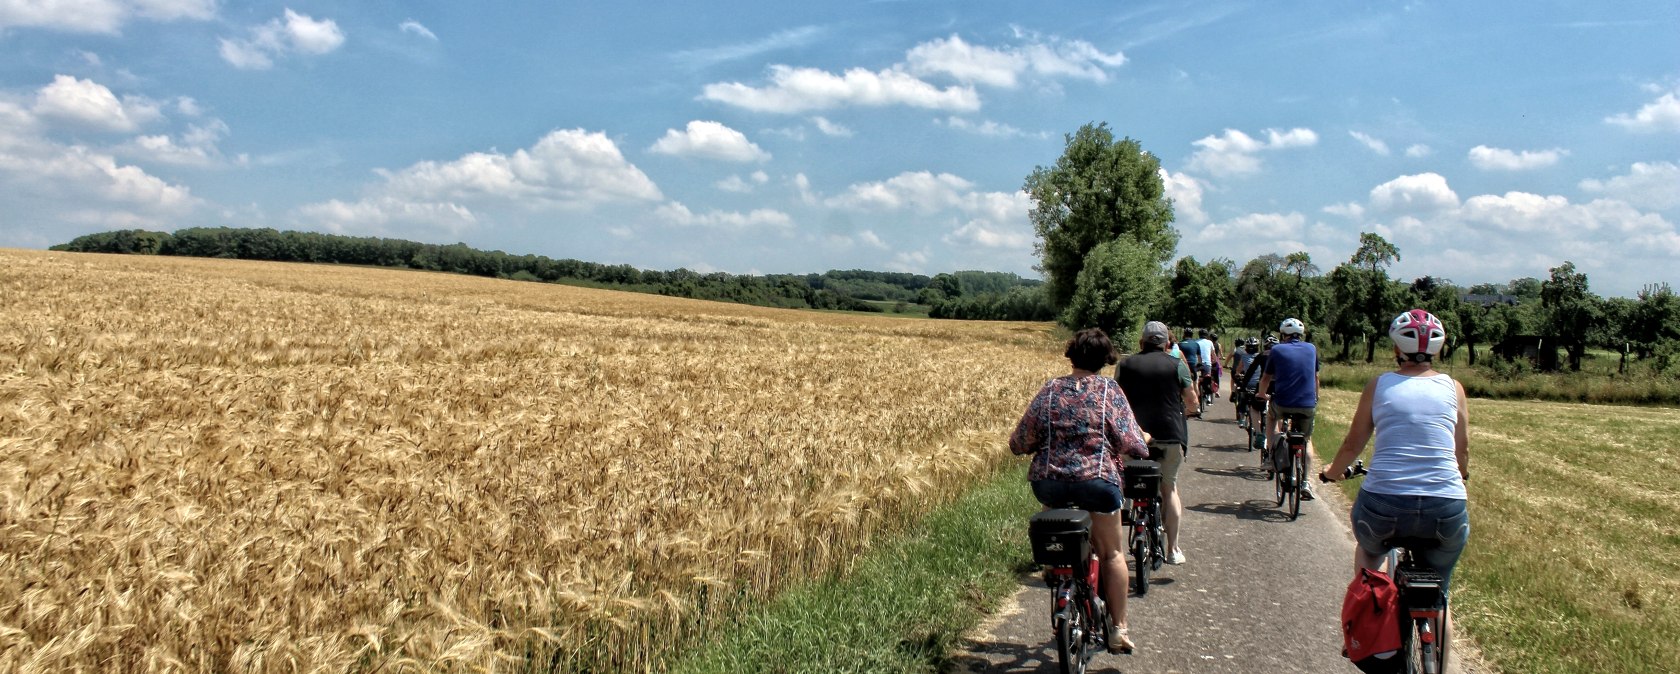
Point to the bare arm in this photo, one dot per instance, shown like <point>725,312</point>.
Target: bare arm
<point>1461,435</point>
<point>1359,433</point>
<point>1265,385</point>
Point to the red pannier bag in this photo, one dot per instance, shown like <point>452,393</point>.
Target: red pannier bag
<point>1371,623</point>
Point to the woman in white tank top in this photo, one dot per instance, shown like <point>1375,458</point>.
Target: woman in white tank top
<point>1415,484</point>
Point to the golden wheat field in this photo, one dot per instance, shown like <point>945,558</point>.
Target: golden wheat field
<point>212,465</point>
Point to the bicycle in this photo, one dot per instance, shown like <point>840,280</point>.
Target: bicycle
<point>1204,388</point>
<point>1290,479</point>
<point>1148,534</point>
<point>1061,542</point>
<point>1423,636</point>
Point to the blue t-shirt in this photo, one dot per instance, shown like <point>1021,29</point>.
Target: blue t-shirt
<point>1294,369</point>
<point>1192,349</point>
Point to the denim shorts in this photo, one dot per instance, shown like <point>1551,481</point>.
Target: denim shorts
<point>1381,517</point>
<point>1098,495</point>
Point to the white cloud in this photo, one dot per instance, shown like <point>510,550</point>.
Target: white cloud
<point>711,140</point>
<point>1662,114</point>
<point>567,170</point>
<point>830,128</point>
<point>1350,210</point>
<point>912,262</point>
<point>921,191</point>
<point>1419,150</point>
<point>195,147</point>
<point>986,128</point>
<point>97,16</point>
<point>735,183</point>
<point>293,32</point>
<point>89,104</point>
<point>1257,227</point>
<point>676,213</point>
<point>1424,192</point>
<point>415,27</point>
<point>869,238</point>
<point>1003,67</point>
<point>1186,194</point>
<point>796,90</point>
<point>1499,159</point>
<point>1375,144</point>
<point>1233,153</point>
<point>1655,185</point>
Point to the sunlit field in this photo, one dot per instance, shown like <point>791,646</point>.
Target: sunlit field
<point>1574,556</point>
<point>234,466</point>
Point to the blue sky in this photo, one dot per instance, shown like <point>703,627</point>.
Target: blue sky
<point>1488,140</point>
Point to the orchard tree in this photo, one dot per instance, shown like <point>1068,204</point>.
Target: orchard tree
<point>1117,285</point>
<point>1100,190</point>
<point>1200,295</point>
<point>1363,296</point>
<point>1570,312</point>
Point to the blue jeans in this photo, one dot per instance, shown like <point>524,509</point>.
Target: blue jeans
<point>1378,518</point>
<point>1098,495</point>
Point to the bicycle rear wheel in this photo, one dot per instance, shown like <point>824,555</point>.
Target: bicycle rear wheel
<point>1279,477</point>
<point>1070,639</point>
<point>1298,473</point>
<point>1140,561</point>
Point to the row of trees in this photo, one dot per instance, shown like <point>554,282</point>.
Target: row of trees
<point>969,294</point>
<point>1104,227</point>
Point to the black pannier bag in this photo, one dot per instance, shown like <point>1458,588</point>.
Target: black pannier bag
<point>1142,479</point>
<point>1060,537</point>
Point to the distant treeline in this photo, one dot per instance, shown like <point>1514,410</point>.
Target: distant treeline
<point>965,294</point>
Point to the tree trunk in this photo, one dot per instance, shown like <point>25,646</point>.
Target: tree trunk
<point>1472,347</point>
<point>1370,349</point>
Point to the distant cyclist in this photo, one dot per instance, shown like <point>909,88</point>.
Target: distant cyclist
<point>1292,373</point>
<point>1421,459</point>
<point>1210,340</point>
<point>1251,384</point>
<point>1080,429</point>
<point>1159,389</point>
<point>1194,357</point>
<point>1241,355</point>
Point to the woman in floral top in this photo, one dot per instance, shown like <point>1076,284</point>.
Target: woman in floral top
<point>1080,429</point>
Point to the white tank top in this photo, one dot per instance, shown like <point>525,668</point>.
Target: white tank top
<point>1415,418</point>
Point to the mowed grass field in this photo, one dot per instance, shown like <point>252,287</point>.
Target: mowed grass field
<point>236,466</point>
<point>1574,556</point>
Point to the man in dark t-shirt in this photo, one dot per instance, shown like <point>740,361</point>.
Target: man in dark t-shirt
<point>1159,388</point>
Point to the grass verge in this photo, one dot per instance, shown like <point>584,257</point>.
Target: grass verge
<point>903,607</point>
<point>1574,556</point>
<point>1596,383</point>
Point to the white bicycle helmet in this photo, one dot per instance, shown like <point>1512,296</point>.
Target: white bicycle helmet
<point>1418,334</point>
<point>1292,326</point>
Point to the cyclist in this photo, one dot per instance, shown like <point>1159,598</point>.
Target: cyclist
<point>1193,357</point>
<point>1241,355</point>
<point>1251,383</point>
<point>1213,357</point>
<point>1080,429</point>
<point>1292,372</point>
<point>1421,458</point>
<point>1159,389</point>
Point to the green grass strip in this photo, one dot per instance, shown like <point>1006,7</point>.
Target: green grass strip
<point>906,604</point>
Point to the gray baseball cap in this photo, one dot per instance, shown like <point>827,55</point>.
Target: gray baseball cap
<point>1155,333</point>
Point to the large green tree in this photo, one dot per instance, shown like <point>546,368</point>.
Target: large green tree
<point>1099,190</point>
<point>1116,287</point>
<point>1200,295</point>
<point>1365,299</point>
<point>1570,311</point>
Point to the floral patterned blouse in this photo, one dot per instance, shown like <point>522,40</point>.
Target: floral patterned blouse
<point>1073,428</point>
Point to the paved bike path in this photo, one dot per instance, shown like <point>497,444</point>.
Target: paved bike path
<point>1258,593</point>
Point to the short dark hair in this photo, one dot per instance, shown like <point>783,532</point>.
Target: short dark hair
<point>1090,350</point>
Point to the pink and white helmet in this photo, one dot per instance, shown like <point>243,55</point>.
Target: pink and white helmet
<point>1418,332</point>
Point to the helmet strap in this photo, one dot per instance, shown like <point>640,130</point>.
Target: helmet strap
<point>1419,357</point>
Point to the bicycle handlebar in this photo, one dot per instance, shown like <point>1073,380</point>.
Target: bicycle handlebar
<point>1358,468</point>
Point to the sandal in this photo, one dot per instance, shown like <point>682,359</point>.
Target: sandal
<point>1121,644</point>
